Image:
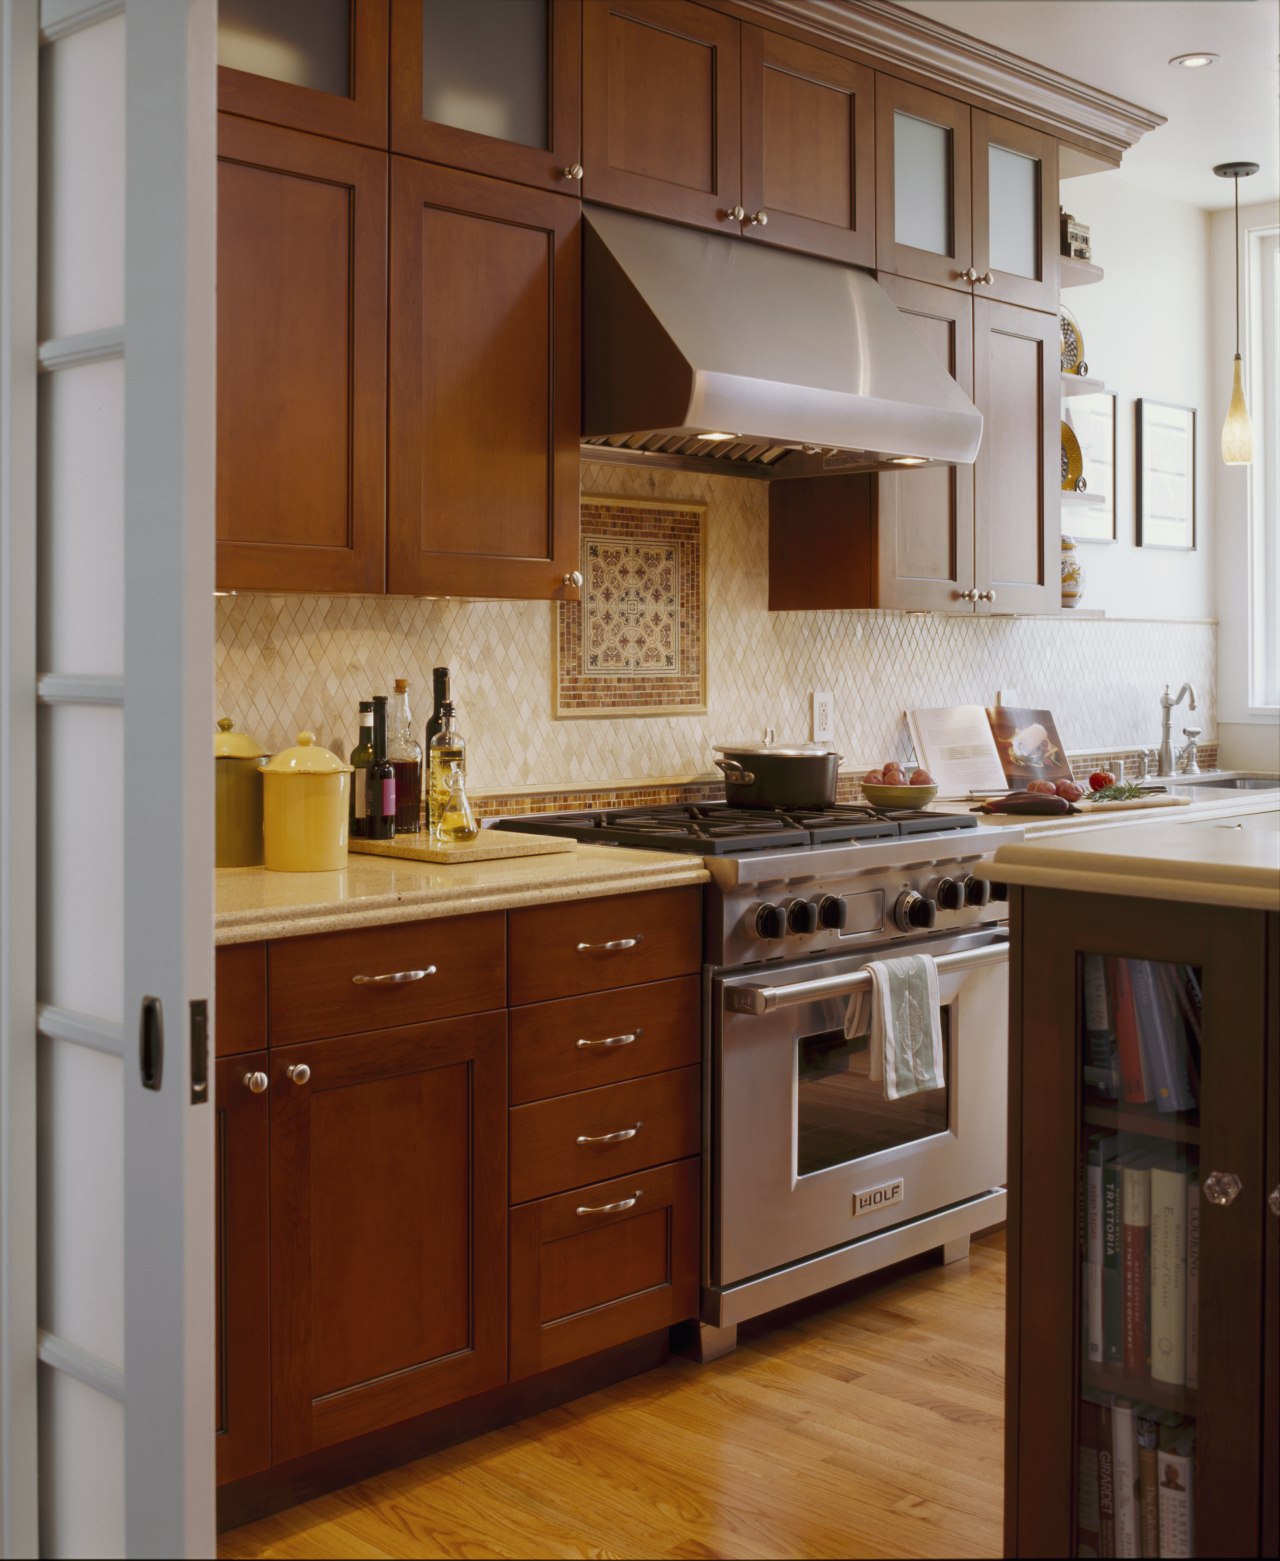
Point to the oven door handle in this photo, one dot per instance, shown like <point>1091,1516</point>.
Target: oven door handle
<point>768,999</point>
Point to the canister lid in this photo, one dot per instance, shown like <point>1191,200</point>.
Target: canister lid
<point>228,744</point>
<point>307,759</point>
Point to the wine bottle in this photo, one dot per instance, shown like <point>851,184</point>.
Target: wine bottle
<point>440,692</point>
<point>448,748</point>
<point>405,753</point>
<point>361,759</point>
<point>382,778</point>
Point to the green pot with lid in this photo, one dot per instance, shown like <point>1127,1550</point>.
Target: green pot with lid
<point>237,791</point>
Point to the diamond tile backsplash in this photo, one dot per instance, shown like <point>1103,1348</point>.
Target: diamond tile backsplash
<point>285,663</point>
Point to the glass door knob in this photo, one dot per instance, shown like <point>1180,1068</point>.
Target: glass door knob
<point>1221,1187</point>
<point>1273,1202</point>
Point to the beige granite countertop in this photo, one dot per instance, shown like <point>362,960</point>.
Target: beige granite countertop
<point>1204,803</point>
<point>251,903</point>
<point>1204,862</point>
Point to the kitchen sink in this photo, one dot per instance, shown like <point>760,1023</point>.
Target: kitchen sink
<point>1231,783</point>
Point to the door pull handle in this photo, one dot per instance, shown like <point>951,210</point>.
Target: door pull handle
<point>151,1042</point>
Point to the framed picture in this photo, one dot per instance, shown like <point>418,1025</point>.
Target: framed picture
<point>1090,516</point>
<point>1165,460</point>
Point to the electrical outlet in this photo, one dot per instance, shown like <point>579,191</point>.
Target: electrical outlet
<point>822,723</point>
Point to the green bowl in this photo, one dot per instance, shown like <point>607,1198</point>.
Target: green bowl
<point>899,796</point>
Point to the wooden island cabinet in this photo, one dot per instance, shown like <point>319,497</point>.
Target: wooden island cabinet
<point>456,1155</point>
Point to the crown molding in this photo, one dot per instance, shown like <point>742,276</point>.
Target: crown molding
<point>929,52</point>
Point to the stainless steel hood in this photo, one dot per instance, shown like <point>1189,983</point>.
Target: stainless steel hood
<point>806,364</point>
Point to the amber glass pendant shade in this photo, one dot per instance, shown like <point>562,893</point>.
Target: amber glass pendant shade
<point>1237,431</point>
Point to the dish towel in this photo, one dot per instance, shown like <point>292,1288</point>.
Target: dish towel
<point>899,1015</point>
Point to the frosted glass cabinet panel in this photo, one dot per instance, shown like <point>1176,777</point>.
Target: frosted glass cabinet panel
<point>490,86</point>
<point>922,184</point>
<point>1014,185</point>
<point>306,42</point>
<point>1015,213</point>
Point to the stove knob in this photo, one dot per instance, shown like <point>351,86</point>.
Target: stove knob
<point>977,891</point>
<point>913,913</point>
<point>999,891</point>
<point>951,895</point>
<point>802,916</point>
<point>771,921</point>
<point>833,912</point>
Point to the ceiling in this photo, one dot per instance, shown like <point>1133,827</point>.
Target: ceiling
<point>1227,112</point>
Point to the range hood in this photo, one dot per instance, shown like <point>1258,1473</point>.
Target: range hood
<point>797,365</point>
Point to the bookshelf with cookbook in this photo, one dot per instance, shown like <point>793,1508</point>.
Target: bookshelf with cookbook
<point>1143,1318</point>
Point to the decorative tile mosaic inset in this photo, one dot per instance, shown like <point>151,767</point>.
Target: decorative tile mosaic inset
<point>635,643</point>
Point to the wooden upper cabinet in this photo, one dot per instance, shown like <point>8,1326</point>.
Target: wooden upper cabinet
<point>485,386</point>
<point>660,110</point>
<point>965,199</point>
<point>302,330</point>
<point>808,163</point>
<point>493,86</point>
<point>388,1227</point>
<point>1015,477</point>
<point>315,65</point>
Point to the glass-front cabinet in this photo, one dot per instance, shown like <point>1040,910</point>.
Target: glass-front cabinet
<point>1143,1322</point>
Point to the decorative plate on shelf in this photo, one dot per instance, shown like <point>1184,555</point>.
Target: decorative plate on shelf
<point>1072,461</point>
<point>1072,344</point>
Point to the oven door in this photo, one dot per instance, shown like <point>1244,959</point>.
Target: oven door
<point>809,1155</point>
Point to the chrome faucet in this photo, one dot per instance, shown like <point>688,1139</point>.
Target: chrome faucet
<point>1168,764</point>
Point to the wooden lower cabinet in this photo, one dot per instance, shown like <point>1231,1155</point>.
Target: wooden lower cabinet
<point>389,1227</point>
<point>243,1264</point>
<point>601,1265</point>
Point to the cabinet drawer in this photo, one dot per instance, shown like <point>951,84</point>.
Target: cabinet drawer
<point>581,1043</point>
<point>661,1117</point>
<point>341,982</point>
<point>240,976</point>
<point>591,945</point>
<point>586,1275</point>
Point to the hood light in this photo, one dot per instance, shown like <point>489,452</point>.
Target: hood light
<point>908,460</point>
<point>710,437</point>
<point>1193,61</point>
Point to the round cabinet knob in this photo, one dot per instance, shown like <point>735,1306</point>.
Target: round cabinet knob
<point>1273,1201</point>
<point>986,596</point>
<point>759,219</point>
<point>572,172</point>
<point>574,579</point>
<point>734,214</point>
<point>833,912</point>
<point>968,596</point>
<point>771,921</point>
<point>986,279</point>
<point>802,916</point>
<point>951,895</point>
<point>914,913</point>
<point>1222,1187</point>
<point>977,891</point>
<point>298,1072</point>
<point>969,275</point>
<point>256,1083</point>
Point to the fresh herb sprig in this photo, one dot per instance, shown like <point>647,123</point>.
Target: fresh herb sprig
<point>1126,791</point>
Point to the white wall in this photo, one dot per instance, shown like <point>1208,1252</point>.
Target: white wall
<point>1147,333</point>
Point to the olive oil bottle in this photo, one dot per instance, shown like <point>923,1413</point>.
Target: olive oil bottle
<point>448,748</point>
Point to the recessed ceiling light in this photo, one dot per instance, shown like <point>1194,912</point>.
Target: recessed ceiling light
<point>1193,61</point>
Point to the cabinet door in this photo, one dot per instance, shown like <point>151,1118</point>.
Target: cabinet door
<point>485,385</point>
<point>315,65</point>
<point>242,1307</point>
<point>923,200</point>
<point>1150,1308</point>
<point>808,162</point>
<point>1017,522</point>
<point>389,1239</point>
<point>240,971</point>
<point>925,519</point>
<point>493,86</point>
<point>302,332</point>
<point>1015,212</point>
<point>660,128</point>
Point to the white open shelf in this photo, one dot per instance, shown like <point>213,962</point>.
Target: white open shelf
<point>1081,385</point>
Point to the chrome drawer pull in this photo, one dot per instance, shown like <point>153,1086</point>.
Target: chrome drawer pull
<point>396,978</point>
<point>610,1138</point>
<point>612,1208</point>
<point>615,947</point>
<point>614,1040</point>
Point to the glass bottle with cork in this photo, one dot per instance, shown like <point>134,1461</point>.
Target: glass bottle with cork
<point>381,784</point>
<point>361,759</point>
<point>448,749</point>
<point>405,753</point>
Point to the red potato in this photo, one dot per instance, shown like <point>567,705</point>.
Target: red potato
<point>1042,788</point>
<point>893,774</point>
<point>922,778</point>
<point>873,778</point>
<point>1071,790</point>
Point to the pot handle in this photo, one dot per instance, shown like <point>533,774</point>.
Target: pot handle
<point>734,772</point>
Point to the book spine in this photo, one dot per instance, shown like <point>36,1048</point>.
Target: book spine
<point>1193,1282</point>
<point>1093,1256</point>
<point>1168,1274</point>
<point>1124,1444</point>
<point>1156,1070</point>
<point>1136,1191</point>
<point>1088,1519</point>
<point>1112,1266</point>
<point>1106,1483</point>
<point>1148,1486</point>
<point>1101,1070</point>
<point>1128,1047</point>
<point>1175,1471</point>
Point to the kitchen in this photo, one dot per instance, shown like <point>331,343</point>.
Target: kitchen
<point>289,662</point>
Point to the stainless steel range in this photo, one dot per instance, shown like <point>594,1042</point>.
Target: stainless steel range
<point>813,1177</point>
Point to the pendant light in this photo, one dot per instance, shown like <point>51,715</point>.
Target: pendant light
<point>1237,431</point>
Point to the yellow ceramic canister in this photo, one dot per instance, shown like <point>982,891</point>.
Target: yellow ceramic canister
<point>237,790</point>
<point>305,791</point>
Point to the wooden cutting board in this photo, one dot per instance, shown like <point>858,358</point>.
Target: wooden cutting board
<point>1119,804</point>
<point>489,846</point>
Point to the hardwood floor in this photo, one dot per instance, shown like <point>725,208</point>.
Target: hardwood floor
<point>866,1422</point>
